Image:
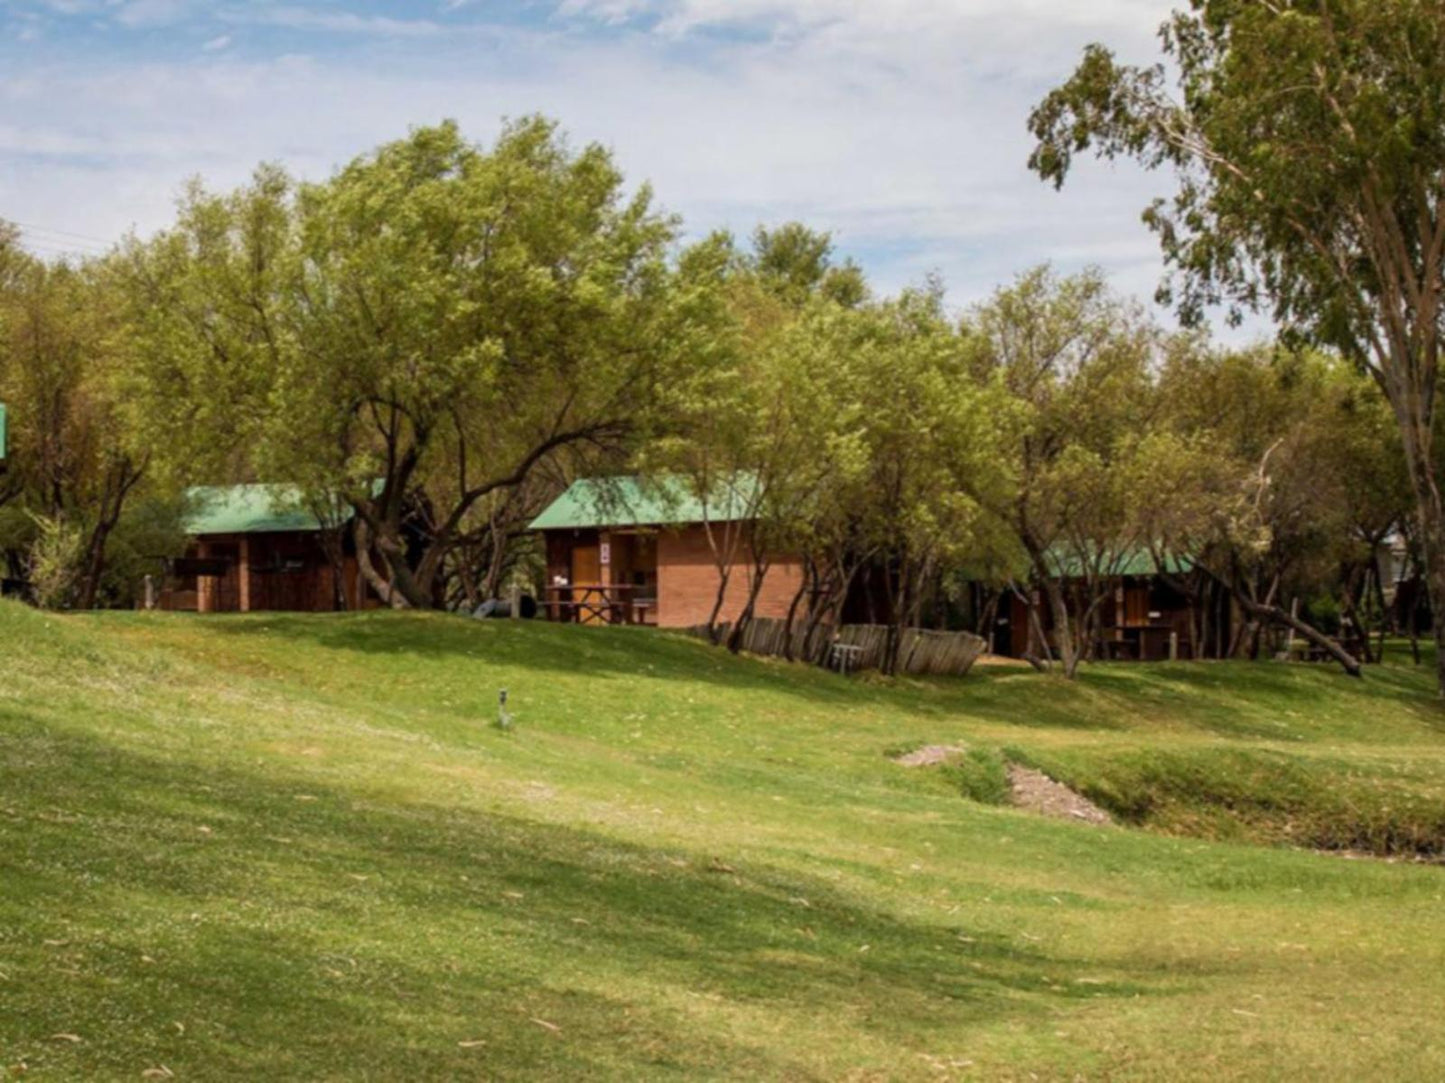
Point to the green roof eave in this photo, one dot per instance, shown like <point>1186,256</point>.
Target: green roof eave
<point>1134,562</point>
<point>248,509</point>
<point>592,503</point>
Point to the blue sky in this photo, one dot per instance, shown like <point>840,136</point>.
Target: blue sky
<point>896,124</point>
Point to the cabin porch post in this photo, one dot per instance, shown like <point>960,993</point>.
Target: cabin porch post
<point>244,572</point>
<point>205,584</point>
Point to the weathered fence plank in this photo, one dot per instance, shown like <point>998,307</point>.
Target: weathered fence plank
<point>921,652</point>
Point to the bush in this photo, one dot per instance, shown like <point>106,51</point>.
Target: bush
<point>1257,796</point>
<point>981,774</point>
<point>55,556</point>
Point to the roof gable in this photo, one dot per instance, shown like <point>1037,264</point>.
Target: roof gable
<point>634,501</point>
<point>247,509</point>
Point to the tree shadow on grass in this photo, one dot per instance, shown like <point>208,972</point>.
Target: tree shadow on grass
<point>1228,698</point>
<point>1269,700</point>
<point>305,931</point>
<point>594,652</point>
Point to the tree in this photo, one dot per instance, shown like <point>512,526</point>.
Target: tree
<point>1272,475</point>
<point>1074,363</point>
<point>934,442</point>
<point>73,467</point>
<point>1307,140</point>
<point>747,419</point>
<point>418,333</point>
<point>915,445</point>
<point>795,264</point>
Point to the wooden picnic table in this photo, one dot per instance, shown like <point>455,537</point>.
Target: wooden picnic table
<point>587,603</point>
<point>1133,642</point>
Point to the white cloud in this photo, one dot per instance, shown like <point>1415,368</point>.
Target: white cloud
<point>867,20</point>
<point>216,44</point>
<point>337,22</point>
<point>898,125</point>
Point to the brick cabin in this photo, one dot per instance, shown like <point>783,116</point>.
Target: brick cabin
<point>255,548</point>
<point>623,552</point>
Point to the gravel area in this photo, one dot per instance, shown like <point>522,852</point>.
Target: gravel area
<point>1037,792</point>
<point>929,755</point>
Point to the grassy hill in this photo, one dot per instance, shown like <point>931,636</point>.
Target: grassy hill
<point>295,847</point>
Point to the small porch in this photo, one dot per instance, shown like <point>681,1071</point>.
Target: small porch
<point>601,576</point>
<point>1142,620</point>
<point>246,573</point>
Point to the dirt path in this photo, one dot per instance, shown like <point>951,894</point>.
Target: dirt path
<point>1035,791</point>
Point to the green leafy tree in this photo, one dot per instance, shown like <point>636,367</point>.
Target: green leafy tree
<point>933,445</point>
<point>1307,141</point>
<point>748,418</point>
<point>72,466</point>
<point>913,447</point>
<point>418,333</point>
<point>1274,474</point>
<point>1074,364</point>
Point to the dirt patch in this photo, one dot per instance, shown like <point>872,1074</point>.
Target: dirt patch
<point>1388,859</point>
<point>1000,660</point>
<point>1037,792</point>
<point>929,755</point>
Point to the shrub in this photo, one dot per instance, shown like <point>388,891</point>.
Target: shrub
<point>981,774</point>
<point>55,556</point>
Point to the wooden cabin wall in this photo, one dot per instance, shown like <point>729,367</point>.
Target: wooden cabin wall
<point>1125,615</point>
<point>288,572</point>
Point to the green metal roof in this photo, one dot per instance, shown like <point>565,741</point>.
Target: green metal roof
<point>247,509</point>
<point>1137,562</point>
<point>634,501</point>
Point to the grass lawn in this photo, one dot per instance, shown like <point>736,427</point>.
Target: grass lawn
<point>278,847</point>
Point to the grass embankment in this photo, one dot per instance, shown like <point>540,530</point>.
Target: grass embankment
<point>293,847</point>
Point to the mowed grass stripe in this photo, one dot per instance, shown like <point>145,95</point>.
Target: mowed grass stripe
<point>293,847</point>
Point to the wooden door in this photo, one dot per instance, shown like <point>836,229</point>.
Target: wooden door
<point>586,572</point>
<point>1136,606</point>
<point>1018,627</point>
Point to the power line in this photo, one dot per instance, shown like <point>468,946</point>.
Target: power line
<point>36,240</point>
<point>63,233</point>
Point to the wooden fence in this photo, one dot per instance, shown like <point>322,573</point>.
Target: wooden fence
<point>921,652</point>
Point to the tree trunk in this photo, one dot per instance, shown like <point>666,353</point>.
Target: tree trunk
<point>118,486</point>
<point>735,636</point>
<point>1432,544</point>
<point>1415,624</point>
<point>407,590</point>
<point>374,578</point>
<point>808,576</point>
<point>840,579</point>
<point>1384,614</point>
<point>1356,585</point>
<point>1261,611</point>
<point>496,566</point>
<point>1063,627</point>
<point>987,624</point>
<point>1041,659</point>
<point>94,565</point>
<point>1413,400</point>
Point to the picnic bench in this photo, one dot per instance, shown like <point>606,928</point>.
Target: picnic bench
<point>599,603</point>
<point>845,656</point>
<point>1137,642</point>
